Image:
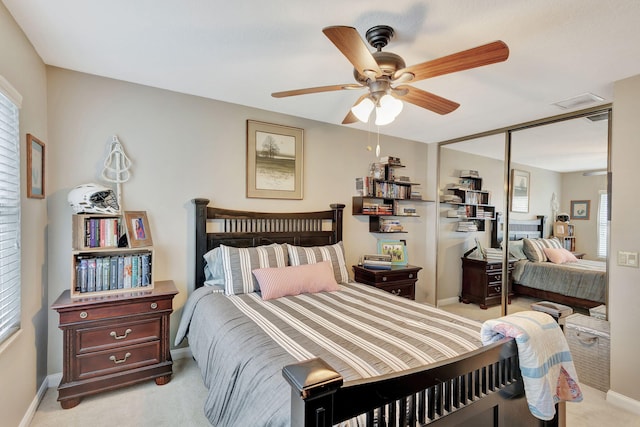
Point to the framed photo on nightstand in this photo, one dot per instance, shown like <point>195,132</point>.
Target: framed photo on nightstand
<point>396,248</point>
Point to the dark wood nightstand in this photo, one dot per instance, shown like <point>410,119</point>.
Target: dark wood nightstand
<point>482,282</point>
<point>400,280</point>
<point>114,340</point>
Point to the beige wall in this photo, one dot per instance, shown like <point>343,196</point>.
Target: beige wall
<point>23,357</point>
<point>184,147</point>
<point>624,282</point>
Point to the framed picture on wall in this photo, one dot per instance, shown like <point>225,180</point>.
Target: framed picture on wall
<point>520,183</point>
<point>274,161</point>
<point>580,209</point>
<point>35,167</point>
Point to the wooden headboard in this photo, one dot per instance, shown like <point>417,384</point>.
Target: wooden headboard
<point>518,229</point>
<point>245,229</point>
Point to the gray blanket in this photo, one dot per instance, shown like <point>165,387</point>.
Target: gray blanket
<point>583,279</point>
<point>241,343</point>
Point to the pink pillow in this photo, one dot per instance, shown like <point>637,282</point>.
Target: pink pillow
<point>295,280</point>
<point>559,255</point>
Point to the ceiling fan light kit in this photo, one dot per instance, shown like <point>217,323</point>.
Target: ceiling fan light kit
<point>379,71</point>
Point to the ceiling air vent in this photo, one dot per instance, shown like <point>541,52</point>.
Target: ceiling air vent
<point>599,116</point>
<point>579,101</point>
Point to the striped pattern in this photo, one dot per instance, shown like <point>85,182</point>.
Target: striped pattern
<point>238,264</point>
<point>534,248</point>
<point>366,333</point>
<point>241,343</point>
<point>582,279</point>
<point>299,255</point>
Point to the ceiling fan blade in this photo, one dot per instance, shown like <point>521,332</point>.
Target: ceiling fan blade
<point>350,117</point>
<point>315,90</point>
<point>489,53</point>
<point>349,42</point>
<point>425,99</point>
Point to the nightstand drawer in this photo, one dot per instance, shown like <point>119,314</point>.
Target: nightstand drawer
<point>117,335</point>
<point>117,359</point>
<point>495,277</point>
<point>110,311</point>
<point>494,289</point>
<point>402,290</point>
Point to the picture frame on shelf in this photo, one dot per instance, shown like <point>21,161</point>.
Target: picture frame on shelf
<point>35,168</point>
<point>520,184</point>
<point>274,161</point>
<point>580,209</point>
<point>397,249</point>
<point>138,230</point>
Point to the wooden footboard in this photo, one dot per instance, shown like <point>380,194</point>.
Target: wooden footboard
<point>478,389</point>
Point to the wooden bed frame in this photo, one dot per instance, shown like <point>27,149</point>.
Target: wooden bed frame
<point>483,387</point>
<point>531,229</point>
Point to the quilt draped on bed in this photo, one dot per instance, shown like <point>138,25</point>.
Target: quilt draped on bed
<point>546,365</point>
<point>241,343</point>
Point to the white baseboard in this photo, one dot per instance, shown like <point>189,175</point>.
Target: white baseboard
<point>623,402</point>
<point>31,410</point>
<point>53,380</point>
<point>448,301</point>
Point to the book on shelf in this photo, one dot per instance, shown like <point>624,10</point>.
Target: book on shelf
<point>390,160</point>
<point>469,173</point>
<point>467,226</point>
<point>364,186</point>
<point>390,225</point>
<point>103,273</point>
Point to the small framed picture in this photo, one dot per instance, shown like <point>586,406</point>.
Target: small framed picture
<point>35,167</point>
<point>138,230</point>
<point>396,248</point>
<point>580,209</point>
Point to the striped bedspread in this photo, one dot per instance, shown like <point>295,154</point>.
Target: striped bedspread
<point>241,343</point>
<point>583,279</point>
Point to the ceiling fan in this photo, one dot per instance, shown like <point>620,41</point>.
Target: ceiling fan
<point>385,74</point>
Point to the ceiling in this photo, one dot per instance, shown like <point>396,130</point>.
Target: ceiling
<point>241,51</point>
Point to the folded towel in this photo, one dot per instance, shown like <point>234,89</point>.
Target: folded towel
<point>545,360</point>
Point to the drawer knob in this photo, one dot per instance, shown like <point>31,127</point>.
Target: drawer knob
<point>83,314</point>
<point>115,335</point>
<point>154,305</point>
<point>410,275</point>
<point>116,361</point>
<point>498,288</point>
<point>384,279</point>
<point>396,292</point>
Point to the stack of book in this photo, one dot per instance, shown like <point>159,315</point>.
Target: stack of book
<point>390,225</point>
<point>390,160</point>
<point>467,226</point>
<point>376,261</point>
<point>493,254</point>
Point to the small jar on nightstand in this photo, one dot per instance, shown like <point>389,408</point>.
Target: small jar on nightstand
<point>400,280</point>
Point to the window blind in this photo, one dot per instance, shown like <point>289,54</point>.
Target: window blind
<point>603,226</point>
<point>9,213</point>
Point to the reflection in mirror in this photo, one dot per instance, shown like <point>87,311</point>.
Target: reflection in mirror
<point>471,180</point>
<point>566,163</point>
<point>557,175</point>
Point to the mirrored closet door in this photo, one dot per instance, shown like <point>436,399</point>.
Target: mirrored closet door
<point>499,188</point>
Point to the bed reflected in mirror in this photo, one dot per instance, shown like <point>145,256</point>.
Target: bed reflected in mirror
<point>556,188</point>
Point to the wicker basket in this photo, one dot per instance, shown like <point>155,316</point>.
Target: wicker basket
<point>588,339</point>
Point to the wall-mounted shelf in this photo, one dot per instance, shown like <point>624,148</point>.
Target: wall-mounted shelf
<point>471,203</point>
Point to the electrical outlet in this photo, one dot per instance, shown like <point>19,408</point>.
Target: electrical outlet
<point>628,259</point>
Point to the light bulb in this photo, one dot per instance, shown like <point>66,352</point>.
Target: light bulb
<point>363,110</point>
<point>391,105</point>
